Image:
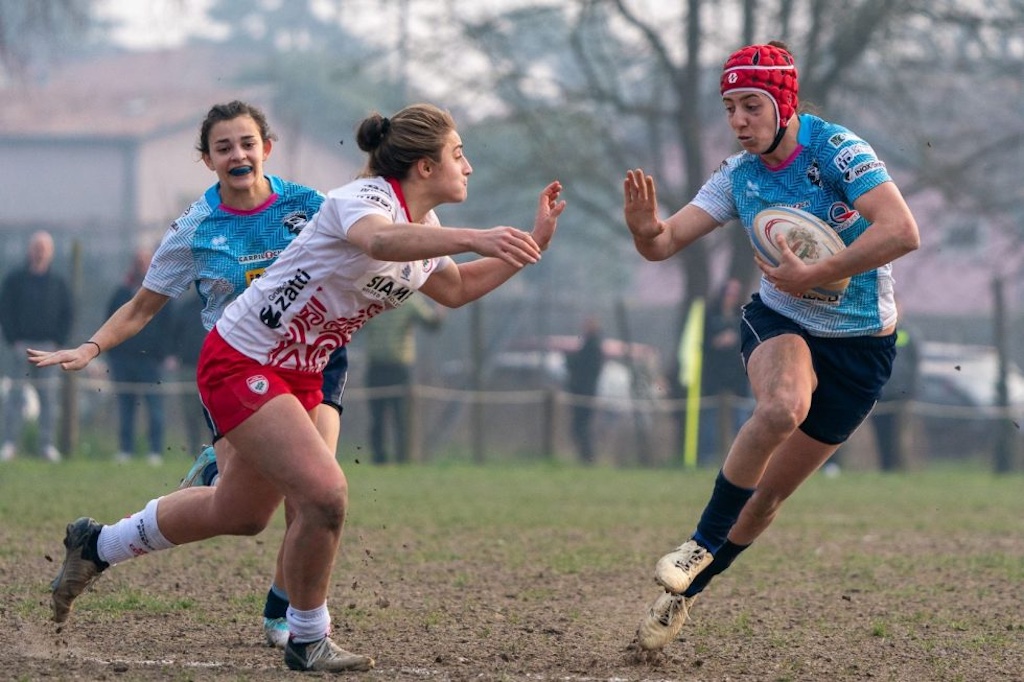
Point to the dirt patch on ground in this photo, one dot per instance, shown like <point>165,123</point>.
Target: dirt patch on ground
<point>490,612</point>
<point>543,575</point>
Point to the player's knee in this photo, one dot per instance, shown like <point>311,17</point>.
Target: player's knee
<point>252,524</point>
<point>328,505</point>
<point>781,415</point>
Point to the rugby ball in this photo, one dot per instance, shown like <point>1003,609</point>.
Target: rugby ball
<point>807,236</point>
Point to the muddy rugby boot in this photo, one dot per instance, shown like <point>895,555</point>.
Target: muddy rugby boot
<point>663,621</point>
<point>677,569</point>
<point>323,655</point>
<point>80,569</point>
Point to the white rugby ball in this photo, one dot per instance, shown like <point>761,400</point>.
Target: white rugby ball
<point>807,236</point>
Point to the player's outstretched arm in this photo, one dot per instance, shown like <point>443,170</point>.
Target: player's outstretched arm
<point>657,239</point>
<point>126,322</point>
<point>455,286</point>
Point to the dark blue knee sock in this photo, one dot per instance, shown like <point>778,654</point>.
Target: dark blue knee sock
<point>277,603</point>
<point>209,473</point>
<point>724,557</point>
<point>720,514</point>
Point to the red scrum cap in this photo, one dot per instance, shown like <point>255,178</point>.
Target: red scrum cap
<point>768,69</point>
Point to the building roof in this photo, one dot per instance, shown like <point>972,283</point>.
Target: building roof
<point>124,94</point>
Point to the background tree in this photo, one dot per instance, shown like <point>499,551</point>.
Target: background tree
<point>323,76</point>
<point>594,87</point>
<point>33,32</point>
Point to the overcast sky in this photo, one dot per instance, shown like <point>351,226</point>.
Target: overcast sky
<point>154,23</point>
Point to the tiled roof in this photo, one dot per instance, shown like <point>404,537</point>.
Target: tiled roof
<point>133,94</point>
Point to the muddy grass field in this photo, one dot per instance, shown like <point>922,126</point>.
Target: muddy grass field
<point>539,573</point>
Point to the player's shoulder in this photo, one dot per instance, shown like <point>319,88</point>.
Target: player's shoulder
<point>827,136</point>
<point>193,216</point>
<point>737,160</point>
<point>294,191</point>
<point>731,165</point>
<point>373,190</point>
<point>842,154</point>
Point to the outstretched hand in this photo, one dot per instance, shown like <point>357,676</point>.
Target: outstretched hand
<point>519,248</point>
<point>640,207</point>
<point>71,359</point>
<point>549,208</point>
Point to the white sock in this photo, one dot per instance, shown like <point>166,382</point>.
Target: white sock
<point>131,537</point>
<point>309,626</point>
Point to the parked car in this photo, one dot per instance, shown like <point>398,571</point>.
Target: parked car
<point>541,362</point>
<point>957,398</point>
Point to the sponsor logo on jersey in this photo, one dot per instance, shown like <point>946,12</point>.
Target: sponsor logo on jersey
<point>846,155</point>
<point>270,317</point>
<point>253,275</point>
<point>814,174</point>
<point>282,298</point>
<point>295,221</point>
<point>862,169</point>
<point>258,384</point>
<point>841,216</point>
<point>269,254</point>
<point>386,289</point>
<point>838,139</point>
<point>376,195</point>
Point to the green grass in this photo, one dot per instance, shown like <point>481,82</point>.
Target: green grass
<point>558,506</point>
<point>941,543</point>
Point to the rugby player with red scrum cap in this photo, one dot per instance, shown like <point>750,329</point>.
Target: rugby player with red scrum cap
<point>816,367</point>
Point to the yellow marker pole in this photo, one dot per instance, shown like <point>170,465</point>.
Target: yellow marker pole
<point>691,360</point>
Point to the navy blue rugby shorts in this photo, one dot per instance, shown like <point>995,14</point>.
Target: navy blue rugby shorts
<point>335,378</point>
<point>851,371</point>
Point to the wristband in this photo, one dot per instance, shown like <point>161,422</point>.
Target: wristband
<point>98,349</point>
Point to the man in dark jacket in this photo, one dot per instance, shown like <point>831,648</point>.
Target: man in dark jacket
<point>35,312</point>
<point>136,366</point>
<point>584,367</point>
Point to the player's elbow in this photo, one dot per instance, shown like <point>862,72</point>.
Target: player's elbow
<point>650,250</point>
<point>455,299</point>
<point>378,247</point>
<point>908,236</point>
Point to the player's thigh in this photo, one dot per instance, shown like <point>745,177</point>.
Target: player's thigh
<point>225,453</point>
<point>245,495</point>
<point>781,373</point>
<point>280,441</point>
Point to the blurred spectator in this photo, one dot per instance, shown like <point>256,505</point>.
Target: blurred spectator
<point>35,312</point>
<point>189,333</point>
<point>391,343</point>
<point>136,366</point>
<point>584,368</point>
<point>890,417</point>
<point>723,379</point>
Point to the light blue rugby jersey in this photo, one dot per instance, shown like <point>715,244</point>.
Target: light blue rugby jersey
<point>223,250</point>
<point>832,168</point>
